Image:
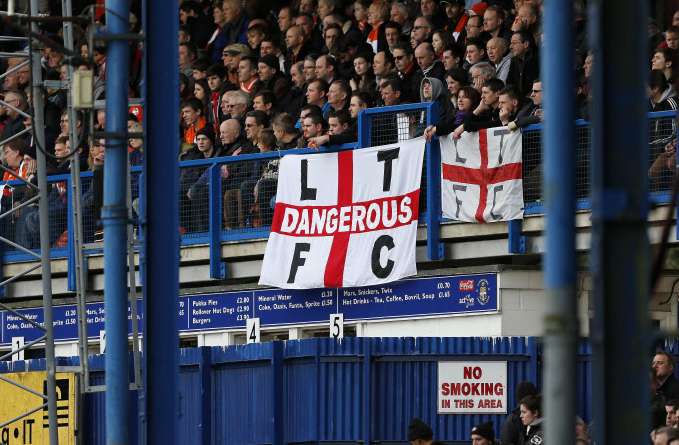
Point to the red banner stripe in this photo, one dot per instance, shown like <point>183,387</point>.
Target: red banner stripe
<point>334,268</point>
<point>483,192</point>
<point>406,211</point>
<point>493,175</point>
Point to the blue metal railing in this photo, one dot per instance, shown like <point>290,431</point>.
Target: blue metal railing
<point>370,132</point>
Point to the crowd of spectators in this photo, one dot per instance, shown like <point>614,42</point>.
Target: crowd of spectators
<point>255,79</point>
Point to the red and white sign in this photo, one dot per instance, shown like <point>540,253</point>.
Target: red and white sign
<point>345,219</point>
<point>482,176</point>
<point>472,388</point>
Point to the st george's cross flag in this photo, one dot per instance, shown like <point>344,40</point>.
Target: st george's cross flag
<point>345,219</point>
<point>482,176</point>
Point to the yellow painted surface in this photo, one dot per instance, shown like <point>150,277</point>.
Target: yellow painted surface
<point>33,429</point>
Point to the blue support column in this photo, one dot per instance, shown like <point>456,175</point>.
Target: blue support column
<point>205,396</point>
<point>363,130</point>
<point>366,419</point>
<point>161,220</point>
<point>620,255</point>
<point>217,267</point>
<point>558,141</point>
<point>317,389</point>
<point>114,217</point>
<point>517,242</point>
<point>70,244</point>
<point>277,387</point>
<point>433,159</point>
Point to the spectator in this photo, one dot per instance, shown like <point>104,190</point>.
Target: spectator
<point>419,433</point>
<point>431,10</point>
<point>531,417</point>
<point>309,68</point>
<point>326,68</point>
<point>456,78</point>
<point>298,89</point>
<point>193,119</point>
<point>468,99</point>
<point>672,38</point>
<point>338,95</point>
<point>483,434</point>
<point>499,56</point>
<point>441,41</point>
<point>525,67</point>
<point>15,104</point>
<point>433,90</point>
<point>332,36</point>
<point>236,22</point>
<point>665,163</point>
<point>451,58</point>
<point>199,26</point>
<point>283,126</point>
<point>456,18</point>
<point>264,189</point>
<point>383,65</point>
<point>231,57</point>
<point>664,60</point>
<point>215,81</point>
<point>481,73</point>
<point>232,173</point>
<point>296,46</point>
<point>135,145</point>
<point>475,53</point>
<point>473,27</point>
<point>391,92</point>
<point>377,15</point>
<point>661,96</point>
<point>342,129</point>
<point>407,72</point>
<point>531,113</point>
<point>256,33</point>
<point>527,20</point>
<point>312,37</point>
<point>272,78</point>
<point>421,32</point>
<point>285,19</point>
<point>264,101</point>
<point>219,39</point>
<point>487,114</point>
<point>187,55</point>
<point>312,126</point>
<point>359,101</point>
<point>493,23</point>
<point>316,94</point>
<point>271,46</point>
<point>363,78</point>
<point>664,435</point>
<point>248,79</point>
<point>508,104</point>
<point>663,375</point>
<point>399,14</point>
<point>392,34</point>
<point>201,91</point>
<point>429,65</point>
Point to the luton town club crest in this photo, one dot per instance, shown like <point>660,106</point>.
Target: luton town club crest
<point>483,291</point>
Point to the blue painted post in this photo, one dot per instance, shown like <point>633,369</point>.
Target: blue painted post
<point>277,387</point>
<point>433,159</point>
<point>558,141</point>
<point>161,220</point>
<point>620,249</point>
<point>367,389</point>
<point>205,366</point>
<point>70,244</point>
<point>363,130</point>
<point>517,242</point>
<point>317,389</point>
<point>114,217</point>
<point>217,267</point>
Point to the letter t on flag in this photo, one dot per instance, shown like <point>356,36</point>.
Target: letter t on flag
<point>358,227</point>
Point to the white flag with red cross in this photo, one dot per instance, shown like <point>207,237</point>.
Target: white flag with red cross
<point>482,176</point>
<point>345,219</point>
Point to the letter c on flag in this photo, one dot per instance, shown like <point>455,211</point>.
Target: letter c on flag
<point>378,270</point>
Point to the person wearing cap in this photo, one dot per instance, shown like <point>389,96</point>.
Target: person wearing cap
<point>419,433</point>
<point>231,56</point>
<point>483,434</point>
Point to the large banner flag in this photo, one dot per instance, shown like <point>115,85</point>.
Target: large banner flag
<point>481,176</point>
<point>345,219</point>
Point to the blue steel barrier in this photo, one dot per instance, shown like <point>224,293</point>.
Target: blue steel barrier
<point>371,131</point>
<point>358,390</point>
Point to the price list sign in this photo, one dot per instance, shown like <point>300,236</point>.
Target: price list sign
<point>458,294</point>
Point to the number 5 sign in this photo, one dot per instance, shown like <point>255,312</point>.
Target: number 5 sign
<point>337,326</point>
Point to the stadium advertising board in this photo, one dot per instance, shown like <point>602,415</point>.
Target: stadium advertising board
<point>419,297</point>
<point>472,388</point>
<point>33,429</point>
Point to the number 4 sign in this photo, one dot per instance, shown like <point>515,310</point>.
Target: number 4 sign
<point>337,326</point>
<point>252,330</point>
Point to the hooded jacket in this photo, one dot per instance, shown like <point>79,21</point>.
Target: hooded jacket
<point>439,94</point>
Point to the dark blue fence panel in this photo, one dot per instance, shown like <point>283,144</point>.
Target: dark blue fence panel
<point>351,391</point>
